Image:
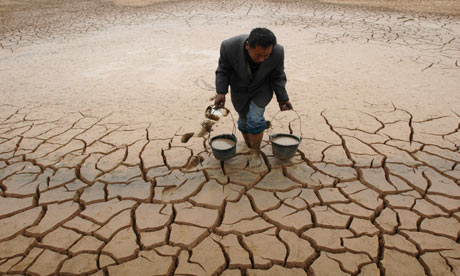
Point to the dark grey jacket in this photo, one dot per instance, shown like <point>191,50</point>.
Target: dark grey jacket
<point>233,71</point>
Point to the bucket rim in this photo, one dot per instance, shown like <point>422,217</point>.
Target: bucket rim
<point>272,136</point>
<point>227,136</point>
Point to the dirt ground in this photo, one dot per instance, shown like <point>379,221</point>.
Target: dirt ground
<point>97,178</point>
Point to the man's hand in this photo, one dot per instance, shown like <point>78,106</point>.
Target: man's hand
<point>285,105</point>
<point>219,102</point>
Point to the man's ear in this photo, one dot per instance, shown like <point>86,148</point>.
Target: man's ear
<point>246,45</point>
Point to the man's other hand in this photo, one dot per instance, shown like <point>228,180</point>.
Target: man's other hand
<point>219,102</point>
<point>285,105</point>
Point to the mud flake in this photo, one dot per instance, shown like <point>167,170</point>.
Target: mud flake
<point>85,244</point>
<point>310,197</point>
<point>122,246</point>
<point>428,241</point>
<point>116,223</point>
<point>376,178</point>
<point>186,213</point>
<point>244,177</point>
<point>396,263</point>
<point>336,155</point>
<point>26,261</point>
<point>103,211</point>
<point>369,270</point>
<point>147,263</point>
<point>214,194</point>
<point>405,200</point>
<point>55,214</point>
<point>81,263</point>
<point>395,155</point>
<point>363,226</point>
<point>434,161</point>
<point>325,266</point>
<point>265,247</point>
<point>387,220</point>
<point>137,189</point>
<point>106,260</point>
<point>277,270</point>
<point>400,243</point>
<point>177,157</point>
<point>326,217</point>
<point>442,185</point>
<point>55,196</point>
<point>408,219</point>
<point>363,244</point>
<point>88,171</point>
<point>238,256</point>
<point>121,174</point>
<point>427,209</point>
<point>47,263</point>
<point>134,151</point>
<point>111,161</point>
<point>450,226</point>
<point>16,246</point>
<point>368,198</point>
<point>344,173</point>
<point>121,138</point>
<point>263,200</point>
<point>191,185</point>
<point>357,147</point>
<point>300,172</point>
<point>397,131</point>
<point>437,264</point>
<point>235,212</point>
<point>353,209</point>
<point>10,205</point>
<point>60,239</point>
<point>152,239</point>
<point>326,238</point>
<point>82,225</point>
<point>184,267</point>
<point>288,218</point>
<point>332,195</point>
<point>152,216</point>
<point>152,154</point>
<point>209,255</point>
<point>5,265</point>
<point>93,193</point>
<point>186,235</point>
<point>448,203</point>
<point>25,184</point>
<point>350,261</point>
<point>300,250</point>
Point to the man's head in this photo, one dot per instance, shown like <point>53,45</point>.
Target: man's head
<point>260,44</point>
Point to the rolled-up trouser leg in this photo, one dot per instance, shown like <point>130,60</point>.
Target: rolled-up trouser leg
<point>252,121</point>
<point>252,124</point>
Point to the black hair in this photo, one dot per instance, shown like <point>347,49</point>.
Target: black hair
<point>262,37</point>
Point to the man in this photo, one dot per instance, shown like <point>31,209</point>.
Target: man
<point>253,66</point>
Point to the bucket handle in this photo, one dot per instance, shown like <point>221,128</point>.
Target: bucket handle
<point>298,118</point>
<point>233,120</point>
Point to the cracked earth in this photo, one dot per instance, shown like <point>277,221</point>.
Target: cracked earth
<point>100,174</point>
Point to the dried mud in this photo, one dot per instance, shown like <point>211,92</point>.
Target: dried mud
<point>105,164</point>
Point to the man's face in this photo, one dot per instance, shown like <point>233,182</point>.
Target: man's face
<point>258,54</point>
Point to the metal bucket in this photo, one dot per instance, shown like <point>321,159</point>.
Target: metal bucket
<point>285,150</point>
<point>223,153</point>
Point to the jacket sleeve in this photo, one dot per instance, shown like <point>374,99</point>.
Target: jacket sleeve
<point>278,80</point>
<point>223,72</point>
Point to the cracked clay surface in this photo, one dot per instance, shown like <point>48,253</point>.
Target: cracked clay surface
<point>100,174</point>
